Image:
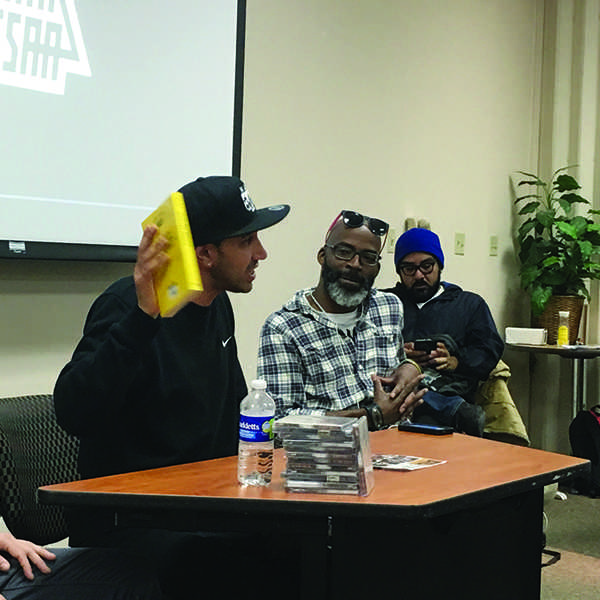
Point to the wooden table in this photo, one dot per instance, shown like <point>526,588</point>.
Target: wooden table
<point>469,528</point>
<point>578,354</point>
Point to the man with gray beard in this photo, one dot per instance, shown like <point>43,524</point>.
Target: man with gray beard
<point>337,348</point>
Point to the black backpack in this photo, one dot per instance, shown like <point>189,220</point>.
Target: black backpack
<point>584,435</point>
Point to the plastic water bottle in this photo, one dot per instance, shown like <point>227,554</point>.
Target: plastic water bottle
<point>255,451</point>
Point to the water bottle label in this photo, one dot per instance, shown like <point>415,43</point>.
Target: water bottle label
<point>256,429</point>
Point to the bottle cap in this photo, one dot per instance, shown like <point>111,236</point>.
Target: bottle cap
<point>563,313</point>
<point>258,384</point>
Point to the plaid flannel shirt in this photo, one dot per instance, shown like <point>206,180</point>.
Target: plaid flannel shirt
<point>311,367</point>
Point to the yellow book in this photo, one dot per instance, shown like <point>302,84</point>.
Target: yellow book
<point>179,282</point>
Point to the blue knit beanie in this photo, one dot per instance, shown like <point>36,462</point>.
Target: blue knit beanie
<point>418,240</point>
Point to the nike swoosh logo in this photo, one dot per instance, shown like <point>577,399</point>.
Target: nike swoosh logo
<point>225,342</point>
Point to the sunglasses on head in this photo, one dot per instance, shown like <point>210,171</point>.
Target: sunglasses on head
<point>353,219</point>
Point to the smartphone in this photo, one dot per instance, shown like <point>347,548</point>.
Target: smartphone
<point>429,429</point>
<point>425,345</point>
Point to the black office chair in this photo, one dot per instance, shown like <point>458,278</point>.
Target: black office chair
<point>34,451</point>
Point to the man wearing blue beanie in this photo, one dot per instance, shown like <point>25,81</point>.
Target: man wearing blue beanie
<point>465,344</point>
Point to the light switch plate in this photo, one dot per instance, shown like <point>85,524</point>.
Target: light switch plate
<point>493,245</point>
<point>459,243</point>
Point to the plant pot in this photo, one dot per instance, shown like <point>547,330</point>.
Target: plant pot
<point>549,318</point>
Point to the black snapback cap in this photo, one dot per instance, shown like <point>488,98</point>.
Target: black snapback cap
<point>219,207</point>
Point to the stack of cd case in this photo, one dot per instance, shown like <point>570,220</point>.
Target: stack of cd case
<point>326,454</point>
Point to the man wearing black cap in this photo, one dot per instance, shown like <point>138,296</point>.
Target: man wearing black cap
<point>467,345</point>
<point>142,391</point>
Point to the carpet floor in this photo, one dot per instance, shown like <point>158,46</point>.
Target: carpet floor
<point>574,577</point>
<point>573,524</point>
<point>572,528</point>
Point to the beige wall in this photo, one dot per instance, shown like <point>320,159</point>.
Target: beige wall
<point>398,109</point>
<point>415,108</point>
<point>42,308</point>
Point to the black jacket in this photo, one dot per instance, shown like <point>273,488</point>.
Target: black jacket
<point>141,393</point>
<point>463,321</point>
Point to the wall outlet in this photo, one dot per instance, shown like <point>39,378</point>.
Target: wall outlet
<point>459,243</point>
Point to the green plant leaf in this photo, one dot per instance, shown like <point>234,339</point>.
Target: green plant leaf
<point>536,179</point>
<point>567,229</point>
<point>528,196</point>
<point>586,248</point>
<point>546,218</point>
<point>556,278</point>
<point>535,182</point>
<point>565,182</point>
<point>561,170</point>
<point>580,224</point>
<point>528,174</point>
<point>526,228</point>
<point>529,208</point>
<point>529,275</point>
<point>574,198</point>
<point>551,260</point>
<point>539,299</point>
<point>558,251</point>
<point>566,207</point>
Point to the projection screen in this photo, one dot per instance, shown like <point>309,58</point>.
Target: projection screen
<point>107,107</point>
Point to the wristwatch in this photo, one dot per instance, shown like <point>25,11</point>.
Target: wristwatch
<point>374,416</point>
<point>377,416</point>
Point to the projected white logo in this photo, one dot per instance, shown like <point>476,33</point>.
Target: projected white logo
<point>40,42</point>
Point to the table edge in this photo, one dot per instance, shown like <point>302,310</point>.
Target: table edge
<point>304,504</point>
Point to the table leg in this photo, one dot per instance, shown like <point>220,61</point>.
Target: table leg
<point>578,386</point>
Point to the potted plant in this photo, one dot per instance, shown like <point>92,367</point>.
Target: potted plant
<point>557,247</point>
